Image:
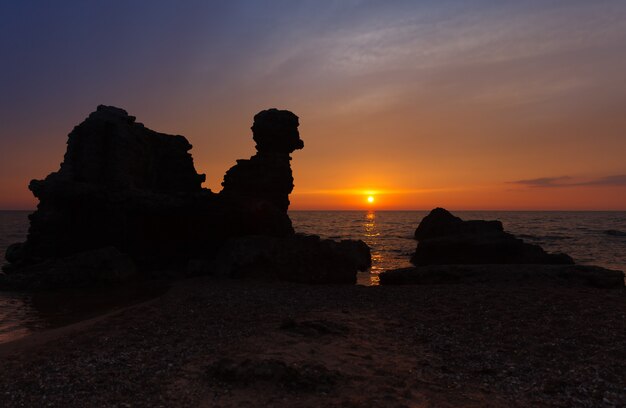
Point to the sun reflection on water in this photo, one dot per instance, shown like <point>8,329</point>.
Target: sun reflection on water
<point>371,234</point>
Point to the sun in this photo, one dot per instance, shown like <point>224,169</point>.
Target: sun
<point>370,199</point>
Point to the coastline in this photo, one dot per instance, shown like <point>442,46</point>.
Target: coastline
<point>228,343</point>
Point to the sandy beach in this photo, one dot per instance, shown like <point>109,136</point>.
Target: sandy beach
<point>241,343</point>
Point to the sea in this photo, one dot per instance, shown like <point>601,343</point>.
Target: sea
<point>590,237</point>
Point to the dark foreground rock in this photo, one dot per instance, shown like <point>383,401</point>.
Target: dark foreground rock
<point>545,275</point>
<point>444,239</point>
<point>102,266</point>
<point>300,258</point>
<point>124,186</point>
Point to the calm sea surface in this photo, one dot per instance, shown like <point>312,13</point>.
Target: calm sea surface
<point>583,235</point>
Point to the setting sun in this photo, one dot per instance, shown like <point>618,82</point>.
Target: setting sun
<point>370,199</point>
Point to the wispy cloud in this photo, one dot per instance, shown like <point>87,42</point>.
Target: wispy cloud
<point>369,58</point>
<point>618,180</point>
<point>544,182</point>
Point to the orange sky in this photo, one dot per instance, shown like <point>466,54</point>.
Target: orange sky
<point>514,106</point>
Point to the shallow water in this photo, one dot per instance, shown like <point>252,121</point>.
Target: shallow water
<point>583,235</point>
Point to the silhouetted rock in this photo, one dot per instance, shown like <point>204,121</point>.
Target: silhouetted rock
<point>446,240</point>
<point>125,186</point>
<point>299,258</point>
<point>111,150</point>
<point>276,131</point>
<point>259,188</point>
<point>440,222</point>
<point>544,275</point>
<point>120,185</point>
<point>103,266</point>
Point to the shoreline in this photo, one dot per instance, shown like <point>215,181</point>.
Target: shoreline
<point>228,343</point>
<point>50,309</point>
<point>43,336</point>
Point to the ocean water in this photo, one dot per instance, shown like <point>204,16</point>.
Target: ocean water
<point>597,238</point>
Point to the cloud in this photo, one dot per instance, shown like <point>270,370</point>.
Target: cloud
<point>618,180</point>
<point>544,182</point>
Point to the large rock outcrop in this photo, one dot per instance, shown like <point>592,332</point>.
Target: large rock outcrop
<point>120,185</point>
<point>299,258</point>
<point>102,266</point>
<point>258,189</point>
<point>444,239</point>
<point>129,188</point>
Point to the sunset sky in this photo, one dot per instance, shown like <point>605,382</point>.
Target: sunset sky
<point>460,104</point>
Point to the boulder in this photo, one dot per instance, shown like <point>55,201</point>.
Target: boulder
<point>299,258</point>
<point>444,239</point>
<point>440,222</point>
<point>103,266</point>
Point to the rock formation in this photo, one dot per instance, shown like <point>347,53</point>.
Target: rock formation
<point>453,251</point>
<point>444,239</point>
<point>121,185</point>
<point>103,266</point>
<point>259,188</point>
<point>129,188</point>
<point>440,223</point>
<point>299,258</point>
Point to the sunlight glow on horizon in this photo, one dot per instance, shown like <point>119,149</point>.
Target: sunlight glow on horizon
<point>489,105</point>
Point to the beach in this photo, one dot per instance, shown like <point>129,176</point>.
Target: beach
<point>212,342</point>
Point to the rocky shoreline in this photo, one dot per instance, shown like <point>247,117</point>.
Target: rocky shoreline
<point>212,342</point>
<point>507,275</point>
<point>483,319</point>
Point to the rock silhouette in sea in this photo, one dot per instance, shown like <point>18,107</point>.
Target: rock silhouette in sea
<point>453,251</point>
<point>444,239</point>
<point>124,186</point>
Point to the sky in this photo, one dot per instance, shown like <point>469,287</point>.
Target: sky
<point>509,105</point>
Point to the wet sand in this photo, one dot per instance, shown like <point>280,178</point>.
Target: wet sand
<point>224,343</point>
<point>26,313</point>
